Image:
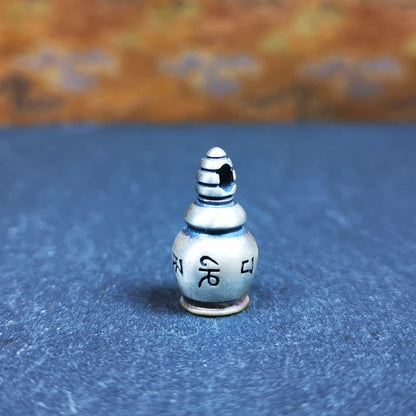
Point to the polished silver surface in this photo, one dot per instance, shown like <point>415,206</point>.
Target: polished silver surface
<point>215,257</point>
<point>217,217</point>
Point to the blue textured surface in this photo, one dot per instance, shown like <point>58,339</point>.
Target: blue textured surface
<point>89,314</point>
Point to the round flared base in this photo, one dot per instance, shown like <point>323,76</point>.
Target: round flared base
<point>214,308</point>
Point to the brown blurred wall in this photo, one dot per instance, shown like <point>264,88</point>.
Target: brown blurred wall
<point>115,60</point>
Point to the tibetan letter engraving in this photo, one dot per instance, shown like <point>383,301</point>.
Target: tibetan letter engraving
<point>209,277</point>
<point>249,268</point>
<point>177,262</point>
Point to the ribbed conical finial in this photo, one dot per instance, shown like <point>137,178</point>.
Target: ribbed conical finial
<point>216,177</point>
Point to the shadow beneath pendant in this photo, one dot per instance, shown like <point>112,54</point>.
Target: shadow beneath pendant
<point>156,299</point>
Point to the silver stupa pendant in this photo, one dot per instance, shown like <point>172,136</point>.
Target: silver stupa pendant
<point>214,256</point>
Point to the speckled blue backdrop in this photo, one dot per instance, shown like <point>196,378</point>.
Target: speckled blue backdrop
<point>89,314</point>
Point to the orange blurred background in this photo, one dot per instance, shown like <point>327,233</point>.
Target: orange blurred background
<point>244,60</point>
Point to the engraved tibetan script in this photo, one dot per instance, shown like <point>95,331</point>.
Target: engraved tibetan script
<point>177,263</point>
<point>246,267</point>
<point>209,268</point>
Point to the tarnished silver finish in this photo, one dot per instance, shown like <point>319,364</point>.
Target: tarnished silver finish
<point>214,256</point>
